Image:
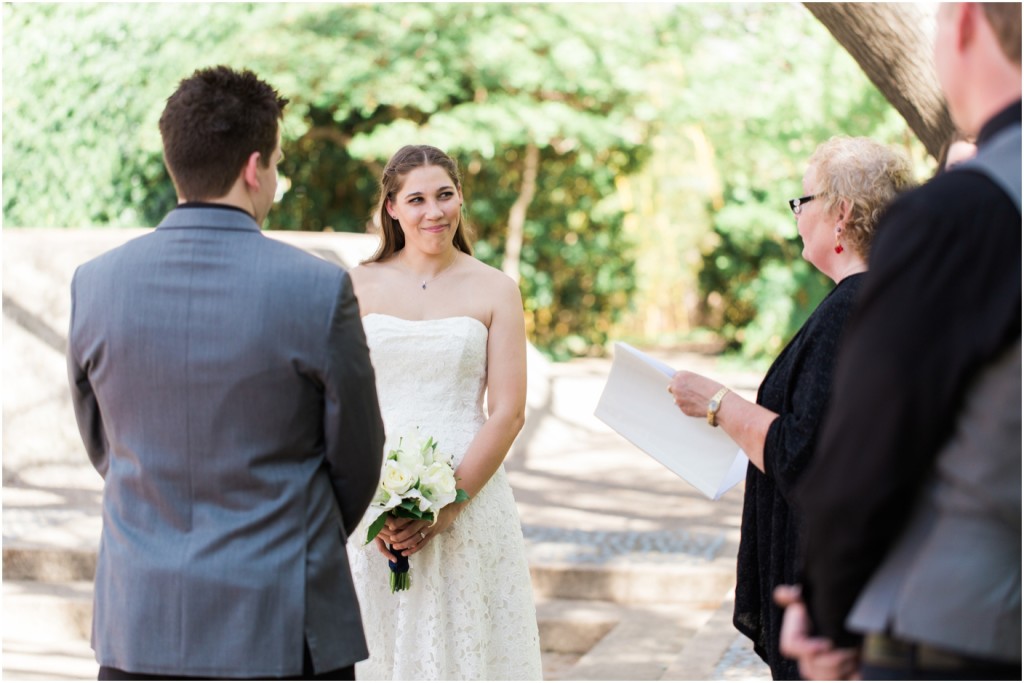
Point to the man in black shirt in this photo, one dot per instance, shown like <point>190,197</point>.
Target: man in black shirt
<point>913,503</point>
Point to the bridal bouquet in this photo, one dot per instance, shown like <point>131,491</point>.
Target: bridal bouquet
<point>416,482</point>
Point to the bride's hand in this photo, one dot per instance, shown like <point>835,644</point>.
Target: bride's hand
<point>394,528</point>
<point>382,546</point>
<point>404,536</point>
<point>414,536</point>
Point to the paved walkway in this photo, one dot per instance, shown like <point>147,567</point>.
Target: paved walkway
<point>590,500</point>
<point>632,568</point>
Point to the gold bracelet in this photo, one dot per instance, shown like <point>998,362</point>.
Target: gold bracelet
<point>714,405</point>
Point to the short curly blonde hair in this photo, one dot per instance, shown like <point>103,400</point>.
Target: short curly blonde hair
<point>864,173</point>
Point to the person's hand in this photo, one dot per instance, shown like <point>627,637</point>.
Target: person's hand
<point>818,658</point>
<point>399,535</point>
<point>409,536</point>
<point>692,392</point>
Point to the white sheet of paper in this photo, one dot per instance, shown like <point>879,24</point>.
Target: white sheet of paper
<point>635,404</point>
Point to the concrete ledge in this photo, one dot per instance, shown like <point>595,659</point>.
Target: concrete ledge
<point>46,629</point>
<point>47,612</point>
<point>616,583</point>
<point>634,583</point>
<point>47,565</point>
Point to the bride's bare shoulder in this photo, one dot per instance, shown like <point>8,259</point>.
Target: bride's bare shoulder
<point>367,272</point>
<point>368,280</point>
<point>493,285</point>
<point>495,277</point>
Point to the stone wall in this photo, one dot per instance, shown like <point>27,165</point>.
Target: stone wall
<point>38,420</point>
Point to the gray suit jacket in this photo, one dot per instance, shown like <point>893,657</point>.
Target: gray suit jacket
<point>223,389</point>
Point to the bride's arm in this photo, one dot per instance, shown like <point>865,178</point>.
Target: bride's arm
<point>506,391</point>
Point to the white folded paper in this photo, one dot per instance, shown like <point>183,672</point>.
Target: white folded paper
<point>635,404</point>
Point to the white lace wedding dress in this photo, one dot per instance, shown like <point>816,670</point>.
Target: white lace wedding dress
<point>469,613</point>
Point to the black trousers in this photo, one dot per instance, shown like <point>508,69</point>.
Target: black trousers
<point>348,673</point>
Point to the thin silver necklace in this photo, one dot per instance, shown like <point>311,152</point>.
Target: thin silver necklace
<point>424,283</point>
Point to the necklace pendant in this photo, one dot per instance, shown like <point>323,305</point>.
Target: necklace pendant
<point>424,285</point>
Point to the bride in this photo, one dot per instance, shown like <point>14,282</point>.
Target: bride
<point>443,330</point>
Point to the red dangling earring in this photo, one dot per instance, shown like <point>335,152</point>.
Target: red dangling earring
<point>839,248</point>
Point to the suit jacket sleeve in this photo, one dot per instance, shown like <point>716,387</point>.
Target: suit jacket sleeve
<point>942,295</point>
<point>83,399</point>
<point>354,431</point>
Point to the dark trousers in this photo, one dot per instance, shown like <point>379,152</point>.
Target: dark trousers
<point>348,673</point>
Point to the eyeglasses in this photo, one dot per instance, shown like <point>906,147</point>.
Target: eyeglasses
<point>797,204</point>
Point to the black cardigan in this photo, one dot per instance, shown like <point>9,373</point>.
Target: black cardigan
<point>797,388</point>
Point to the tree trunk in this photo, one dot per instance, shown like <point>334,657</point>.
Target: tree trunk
<point>517,214</point>
<point>891,44</point>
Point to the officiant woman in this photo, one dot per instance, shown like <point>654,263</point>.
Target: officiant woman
<point>848,183</point>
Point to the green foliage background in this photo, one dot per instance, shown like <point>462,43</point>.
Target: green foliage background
<point>669,137</point>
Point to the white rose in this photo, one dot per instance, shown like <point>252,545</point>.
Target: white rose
<point>409,459</point>
<point>438,483</point>
<point>397,479</point>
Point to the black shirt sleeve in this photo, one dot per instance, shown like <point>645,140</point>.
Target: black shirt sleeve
<point>943,295</point>
<point>805,370</point>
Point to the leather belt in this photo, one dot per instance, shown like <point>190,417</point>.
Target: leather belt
<point>883,650</point>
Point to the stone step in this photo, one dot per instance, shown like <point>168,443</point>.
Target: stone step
<point>589,640</point>
<point>575,626</point>
<point>46,629</point>
<point>633,584</point>
<point>717,651</point>
<point>36,609</point>
<point>643,644</point>
<point>47,565</point>
<point>55,610</point>
<point>624,583</point>
<point>47,625</point>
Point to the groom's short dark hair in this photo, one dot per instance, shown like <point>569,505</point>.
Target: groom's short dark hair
<point>211,125</point>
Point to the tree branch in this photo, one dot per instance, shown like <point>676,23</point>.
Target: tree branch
<point>889,42</point>
<point>517,214</point>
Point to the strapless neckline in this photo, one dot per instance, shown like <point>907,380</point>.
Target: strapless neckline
<point>427,320</point>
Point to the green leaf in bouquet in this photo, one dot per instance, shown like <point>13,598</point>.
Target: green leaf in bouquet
<point>375,528</point>
<point>410,509</point>
<point>461,496</point>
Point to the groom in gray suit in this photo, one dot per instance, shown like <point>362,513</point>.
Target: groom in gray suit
<point>223,389</point>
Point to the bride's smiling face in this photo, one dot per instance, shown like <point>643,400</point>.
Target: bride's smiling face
<point>427,207</point>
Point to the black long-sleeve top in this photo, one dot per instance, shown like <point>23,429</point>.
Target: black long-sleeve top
<point>942,297</point>
<point>797,388</point>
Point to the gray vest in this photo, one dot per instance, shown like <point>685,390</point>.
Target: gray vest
<point>953,578</point>
<point>1000,160</point>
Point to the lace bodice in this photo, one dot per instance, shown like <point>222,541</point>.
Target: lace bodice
<point>431,375</point>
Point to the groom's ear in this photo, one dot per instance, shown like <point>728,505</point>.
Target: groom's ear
<point>249,171</point>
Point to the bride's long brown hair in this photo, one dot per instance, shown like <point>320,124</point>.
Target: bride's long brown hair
<point>401,163</point>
